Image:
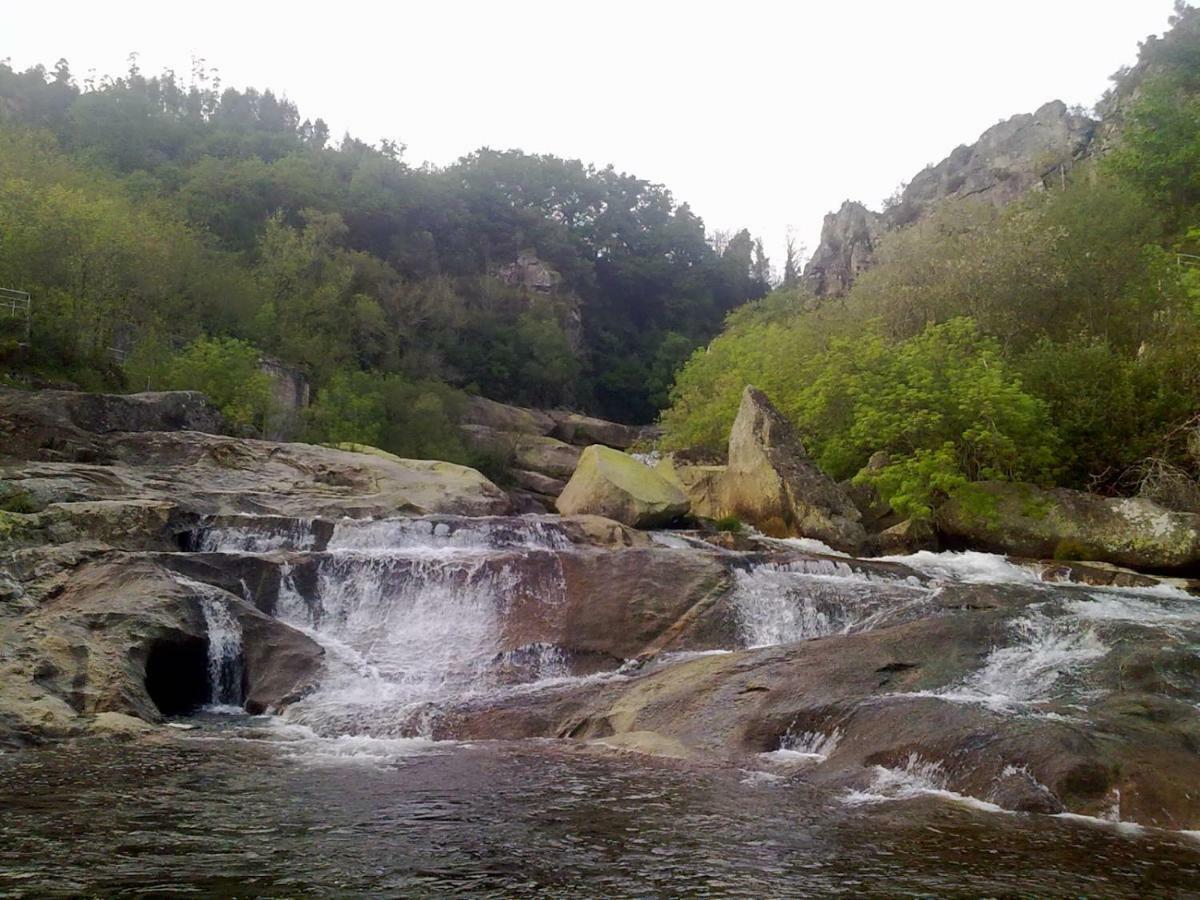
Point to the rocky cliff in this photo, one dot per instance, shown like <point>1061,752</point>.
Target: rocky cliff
<point>1010,159</point>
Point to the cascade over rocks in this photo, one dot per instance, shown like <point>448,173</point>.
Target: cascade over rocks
<point>771,483</point>
<point>609,483</point>
<point>122,633</point>
<point>189,568</point>
<point>1024,520</point>
<point>911,689</point>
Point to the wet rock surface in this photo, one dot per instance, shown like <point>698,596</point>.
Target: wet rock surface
<point>192,568</point>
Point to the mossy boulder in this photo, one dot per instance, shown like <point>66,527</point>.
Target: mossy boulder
<point>1024,520</point>
<point>609,483</point>
<point>772,484</point>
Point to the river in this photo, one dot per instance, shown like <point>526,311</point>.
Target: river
<point>346,793</point>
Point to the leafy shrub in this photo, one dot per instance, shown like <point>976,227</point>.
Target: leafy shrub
<point>227,371</point>
<point>413,419</point>
<point>944,405</point>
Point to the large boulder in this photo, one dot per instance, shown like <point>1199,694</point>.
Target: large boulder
<point>487,413</point>
<point>701,483</point>
<point>1024,520</point>
<point>609,483</point>
<point>772,484</point>
<point>575,428</point>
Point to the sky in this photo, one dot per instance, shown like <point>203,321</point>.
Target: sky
<point>763,115</point>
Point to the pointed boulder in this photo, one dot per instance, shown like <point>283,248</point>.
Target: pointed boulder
<point>771,483</point>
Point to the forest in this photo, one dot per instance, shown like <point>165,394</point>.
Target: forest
<point>1054,340</point>
<point>172,232</point>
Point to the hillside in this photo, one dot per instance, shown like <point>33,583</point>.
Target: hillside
<point>1025,310</point>
<point>171,231</point>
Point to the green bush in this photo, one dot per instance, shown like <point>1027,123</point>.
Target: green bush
<point>944,405</point>
<point>412,419</point>
<point>227,371</point>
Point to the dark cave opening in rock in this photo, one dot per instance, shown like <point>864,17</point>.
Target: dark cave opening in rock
<point>177,677</point>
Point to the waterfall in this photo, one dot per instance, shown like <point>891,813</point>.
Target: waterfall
<point>785,603</point>
<point>414,612</point>
<point>224,653</point>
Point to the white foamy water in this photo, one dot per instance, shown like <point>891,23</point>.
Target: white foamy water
<point>403,631</point>
<point>266,536</point>
<point>804,747</point>
<point>917,778</point>
<point>811,545</point>
<point>1160,608</point>
<point>803,599</point>
<point>224,653</point>
<point>968,567</point>
<point>433,535</point>
<point>1044,652</point>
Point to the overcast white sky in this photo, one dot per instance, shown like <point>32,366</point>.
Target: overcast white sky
<point>757,113</point>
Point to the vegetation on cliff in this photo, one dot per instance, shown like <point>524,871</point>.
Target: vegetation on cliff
<point>1055,339</point>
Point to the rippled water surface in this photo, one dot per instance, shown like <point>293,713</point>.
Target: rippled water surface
<point>234,810</point>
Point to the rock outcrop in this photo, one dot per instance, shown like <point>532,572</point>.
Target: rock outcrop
<point>609,483</point>
<point>848,241</point>
<point>71,425</point>
<point>1024,520</point>
<point>124,634</point>
<point>290,394</point>
<point>68,457</point>
<point>1010,159</point>
<point>772,484</point>
<point>701,483</point>
<point>539,449</point>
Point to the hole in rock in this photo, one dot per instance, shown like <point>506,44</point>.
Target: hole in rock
<point>177,678</point>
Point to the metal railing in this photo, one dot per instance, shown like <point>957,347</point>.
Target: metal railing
<point>17,305</point>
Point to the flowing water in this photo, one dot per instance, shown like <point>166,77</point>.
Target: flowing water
<point>346,793</point>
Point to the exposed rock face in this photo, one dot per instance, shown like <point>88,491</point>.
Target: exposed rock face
<point>701,484</point>
<point>848,240</point>
<point>579,429</point>
<point>905,537</point>
<point>1024,520</point>
<point>1009,160</point>
<point>539,449</point>
<point>210,474</point>
<point>290,394</point>
<point>95,633</point>
<point>58,425</point>
<point>531,273</point>
<point>771,483</point>
<point>609,483</point>
<point>502,417</point>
